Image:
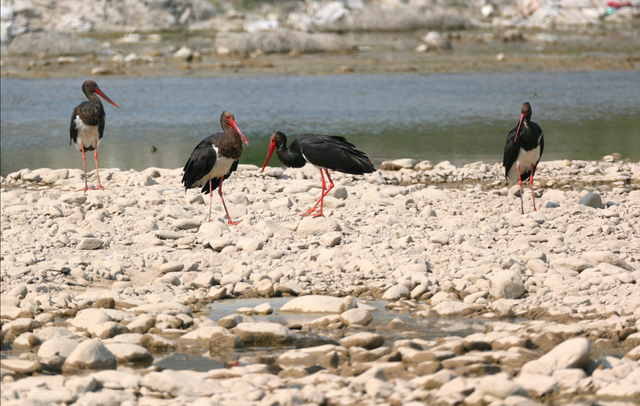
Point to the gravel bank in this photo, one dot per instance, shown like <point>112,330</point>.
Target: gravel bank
<point>97,286</point>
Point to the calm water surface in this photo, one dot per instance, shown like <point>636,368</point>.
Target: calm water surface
<point>456,117</point>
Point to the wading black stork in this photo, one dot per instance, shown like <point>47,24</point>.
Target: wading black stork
<point>214,159</point>
<point>87,125</point>
<point>322,151</point>
<point>522,152</point>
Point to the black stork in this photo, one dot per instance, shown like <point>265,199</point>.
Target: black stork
<point>214,159</point>
<point>522,152</point>
<point>87,125</point>
<point>322,151</point>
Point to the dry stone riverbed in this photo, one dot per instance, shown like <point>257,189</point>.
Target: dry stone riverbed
<point>423,285</point>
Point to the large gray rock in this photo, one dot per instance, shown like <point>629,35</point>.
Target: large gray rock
<point>592,199</point>
<point>90,354</point>
<point>573,353</point>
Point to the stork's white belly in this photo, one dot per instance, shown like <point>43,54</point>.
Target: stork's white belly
<point>219,170</point>
<point>87,134</point>
<point>525,160</point>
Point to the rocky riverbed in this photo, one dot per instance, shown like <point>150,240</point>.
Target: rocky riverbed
<point>99,288</point>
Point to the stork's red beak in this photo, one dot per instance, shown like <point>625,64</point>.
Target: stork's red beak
<point>104,96</point>
<point>272,148</point>
<point>235,127</point>
<point>522,117</point>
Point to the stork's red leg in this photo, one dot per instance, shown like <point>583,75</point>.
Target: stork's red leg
<point>521,199</point>
<point>325,193</point>
<point>324,184</point>
<point>84,161</point>
<point>533,196</point>
<point>224,205</point>
<point>210,199</point>
<point>95,155</point>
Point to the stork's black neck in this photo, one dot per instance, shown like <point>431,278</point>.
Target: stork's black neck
<point>290,156</point>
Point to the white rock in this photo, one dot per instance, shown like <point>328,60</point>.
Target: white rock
<point>501,386</point>
<point>507,285</point>
<point>263,334</point>
<point>536,384</point>
<point>317,225</point>
<point>450,308</point>
<point>90,354</point>
<point>396,292</point>
<point>316,304</point>
<point>205,333</point>
<point>360,317</point>
<point>125,352</point>
<point>56,347</point>
<point>568,354</point>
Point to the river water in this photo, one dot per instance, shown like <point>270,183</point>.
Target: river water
<point>457,117</point>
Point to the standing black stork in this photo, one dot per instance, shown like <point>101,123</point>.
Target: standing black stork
<point>522,152</point>
<point>214,159</point>
<point>87,125</point>
<point>322,151</point>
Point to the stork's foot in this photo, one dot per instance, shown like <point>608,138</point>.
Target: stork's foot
<point>310,211</point>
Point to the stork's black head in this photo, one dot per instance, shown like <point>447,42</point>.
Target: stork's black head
<point>227,118</point>
<point>278,138</point>
<point>525,110</point>
<point>90,87</point>
<point>525,115</point>
<point>228,123</point>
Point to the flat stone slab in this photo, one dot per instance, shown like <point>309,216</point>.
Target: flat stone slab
<point>315,304</point>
